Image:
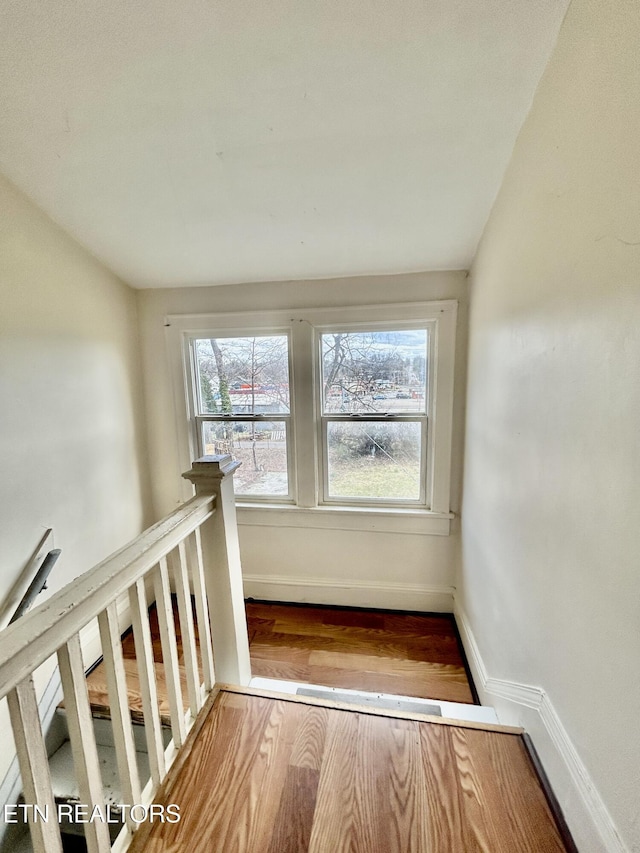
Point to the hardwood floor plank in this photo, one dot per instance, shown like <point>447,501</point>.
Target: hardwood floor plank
<point>449,689</point>
<point>446,829</point>
<point>417,624</point>
<point>374,663</point>
<point>507,780</point>
<point>279,669</point>
<point>293,823</point>
<point>476,806</point>
<point>334,820</point>
<point>435,649</point>
<point>334,638</point>
<point>257,628</point>
<point>281,654</point>
<point>373,814</point>
<point>284,611</point>
<point>374,635</point>
<point>354,618</point>
<point>409,678</point>
<point>309,745</point>
<point>389,797</point>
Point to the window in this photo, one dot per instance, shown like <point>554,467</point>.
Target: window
<point>329,411</point>
<point>242,408</point>
<point>373,389</point>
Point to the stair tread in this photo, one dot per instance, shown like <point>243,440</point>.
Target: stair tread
<point>22,843</point>
<point>63,778</point>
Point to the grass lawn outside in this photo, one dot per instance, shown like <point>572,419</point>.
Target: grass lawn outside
<point>373,477</point>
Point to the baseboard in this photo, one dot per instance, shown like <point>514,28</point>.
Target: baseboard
<point>393,596</point>
<point>586,814</point>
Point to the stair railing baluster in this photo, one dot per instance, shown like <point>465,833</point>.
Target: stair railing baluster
<point>202,613</point>
<point>147,676</point>
<point>83,742</point>
<point>34,766</point>
<point>166,625</point>
<point>187,631</point>
<point>119,708</point>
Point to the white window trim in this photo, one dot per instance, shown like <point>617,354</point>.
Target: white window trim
<point>304,326</point>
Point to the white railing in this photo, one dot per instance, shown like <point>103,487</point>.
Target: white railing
<point>23,584</point>
<point>200,541</point>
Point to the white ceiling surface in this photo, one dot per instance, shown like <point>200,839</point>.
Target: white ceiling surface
<point>189,142</point>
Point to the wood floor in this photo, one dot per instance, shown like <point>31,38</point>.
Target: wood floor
<point>362,650</point>
<point>273,776</point>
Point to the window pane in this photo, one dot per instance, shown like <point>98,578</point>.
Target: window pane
<point>374,371</point>
<point>261,446</point>
<point>243,376</point>
<point>374,460</point>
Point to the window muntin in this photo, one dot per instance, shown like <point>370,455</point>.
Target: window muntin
<point>242,394</point>
<point>374,398</point>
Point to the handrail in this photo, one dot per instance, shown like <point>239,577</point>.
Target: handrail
<point>31,640</point>
<point>37,584</point>
<point>15,596</point>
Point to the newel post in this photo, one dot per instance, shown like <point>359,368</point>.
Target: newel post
<point>213,475</point>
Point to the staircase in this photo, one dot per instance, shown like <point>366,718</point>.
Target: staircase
<point>66,790</point>
<point>194,551</point>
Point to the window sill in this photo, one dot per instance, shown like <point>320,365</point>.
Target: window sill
<point>419,522</point>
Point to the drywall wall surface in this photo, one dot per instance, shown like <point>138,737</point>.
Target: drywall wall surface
<point>424,566</point>
<point>71,414</point>
<point>550,534</point>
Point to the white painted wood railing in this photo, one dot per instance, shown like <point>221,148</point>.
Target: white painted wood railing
<point>200,541</point>
<point>27,575</point>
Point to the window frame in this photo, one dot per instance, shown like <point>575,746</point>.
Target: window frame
<point>324,418</point>
<point>199,419</point>
<point>306,502</point>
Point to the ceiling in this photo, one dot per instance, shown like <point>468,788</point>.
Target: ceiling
<point>193,142</point>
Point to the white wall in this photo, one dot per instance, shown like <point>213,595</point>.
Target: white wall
<point>551,538</point>
<point>71,417</point>
<point>334,566</point>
